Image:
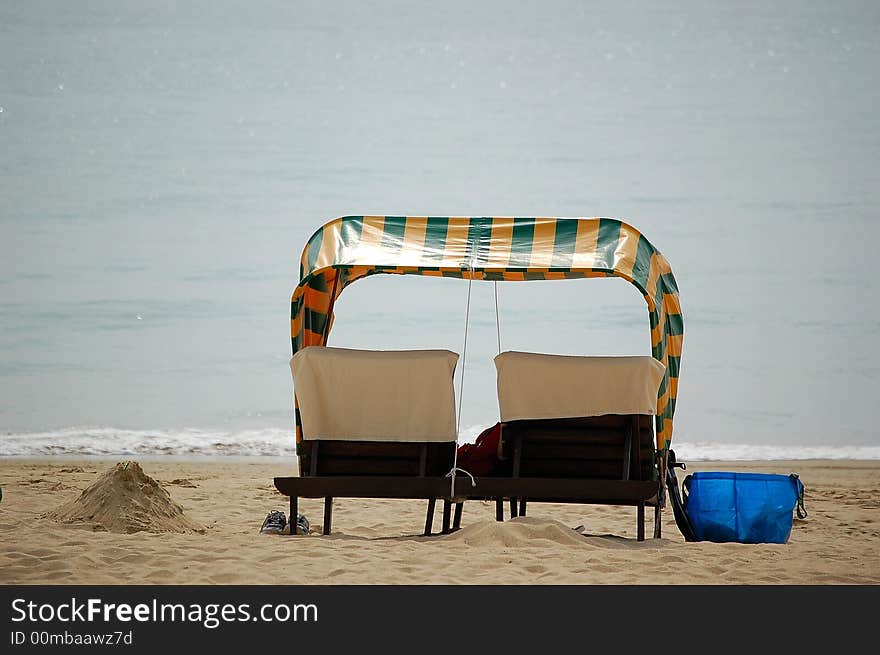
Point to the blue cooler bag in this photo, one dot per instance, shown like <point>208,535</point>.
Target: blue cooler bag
<point>749,508</point>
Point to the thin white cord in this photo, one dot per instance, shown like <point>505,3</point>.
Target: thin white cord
<point>498,331</point>
<point>497,319</point>
<point>467,315</point>
<point>451,474</point>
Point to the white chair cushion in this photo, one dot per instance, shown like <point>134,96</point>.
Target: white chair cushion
<point>536,386</point>
<point>373,395</point>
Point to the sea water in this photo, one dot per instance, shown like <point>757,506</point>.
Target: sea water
<point>162,165</point>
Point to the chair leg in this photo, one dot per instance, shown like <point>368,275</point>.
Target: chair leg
<point>640,531</point>
<point>499,509</point>
<point>429,519</point>
<point>513,513</point>
<point>447,512</point>
<point>328,513</point>
<point>658,525</point>
<point>522,506</point>
<point>293,514</point>
<point>456,519</point>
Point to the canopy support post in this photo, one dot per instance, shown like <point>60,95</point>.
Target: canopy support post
<point>326,333</point>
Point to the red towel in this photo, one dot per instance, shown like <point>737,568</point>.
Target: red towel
<point>481,457</point>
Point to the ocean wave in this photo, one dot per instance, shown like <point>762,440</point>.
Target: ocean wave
<point>695,452</point>
<point>96,441</point>
<point>106,441</point>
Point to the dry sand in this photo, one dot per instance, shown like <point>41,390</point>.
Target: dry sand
<point>379,542</point>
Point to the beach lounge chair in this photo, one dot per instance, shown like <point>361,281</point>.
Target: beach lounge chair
<point>375,424</point>
<point>577,430</point>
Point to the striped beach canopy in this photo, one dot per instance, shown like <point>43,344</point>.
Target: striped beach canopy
<point>490,248</point>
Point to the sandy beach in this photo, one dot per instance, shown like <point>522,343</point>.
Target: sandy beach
<point>380,542</point>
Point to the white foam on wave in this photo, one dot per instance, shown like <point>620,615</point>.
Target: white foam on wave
<point>118,441</point>
<point>98,441</point>
<point>695,452</point>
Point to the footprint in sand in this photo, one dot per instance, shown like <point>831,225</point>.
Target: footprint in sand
<point>183,482</point>
<point>23,557</point>
<point>54,565</point>
<point>42,552</point>
<point>132,559</point>
<point>604,568</point>
<point>670,559</point>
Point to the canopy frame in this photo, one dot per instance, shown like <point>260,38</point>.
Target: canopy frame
<point>350,248</point>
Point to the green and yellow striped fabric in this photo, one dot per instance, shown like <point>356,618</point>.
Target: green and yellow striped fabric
<point>490,248</point>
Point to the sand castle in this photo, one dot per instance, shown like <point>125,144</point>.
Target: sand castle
<point>125,499</point>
